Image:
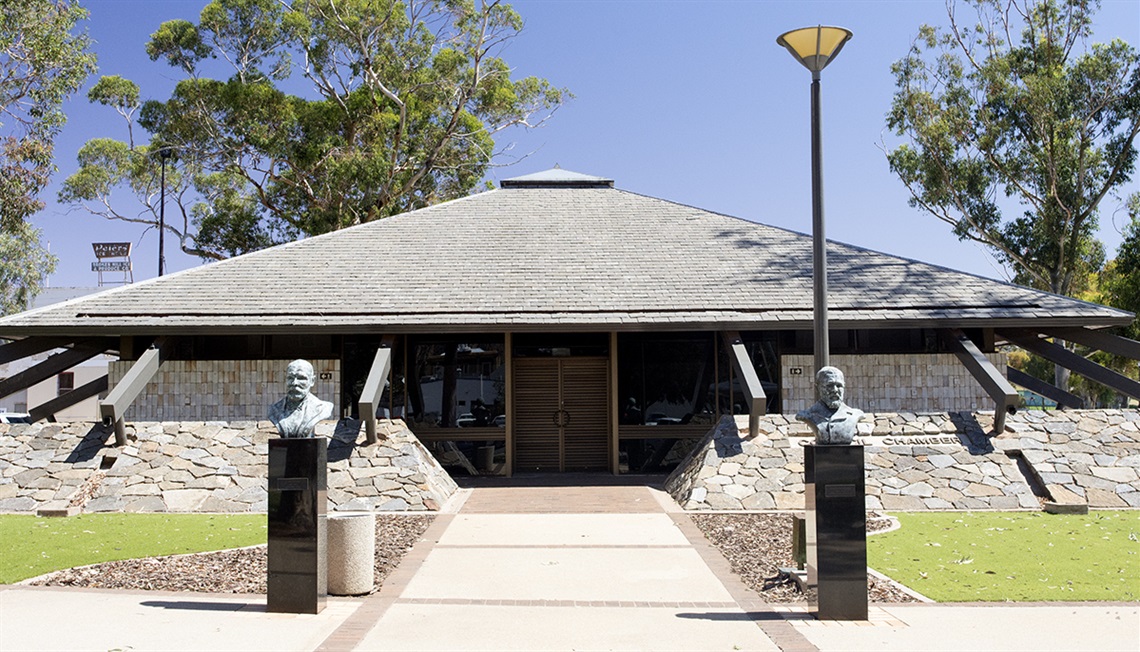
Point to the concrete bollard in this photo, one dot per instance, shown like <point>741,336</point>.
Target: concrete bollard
<point>485,458</point>
<point>351,553</point>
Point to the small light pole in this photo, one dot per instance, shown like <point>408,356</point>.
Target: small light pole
<point>163,154</point>
<point>815,47</point>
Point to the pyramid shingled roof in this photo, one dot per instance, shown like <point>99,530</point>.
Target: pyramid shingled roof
<point>549,256</point>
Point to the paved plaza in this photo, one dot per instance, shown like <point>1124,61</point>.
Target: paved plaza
<point>524,567</point>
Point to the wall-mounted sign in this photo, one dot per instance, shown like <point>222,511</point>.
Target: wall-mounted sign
<point>894,440</point>
<point>111,249</point>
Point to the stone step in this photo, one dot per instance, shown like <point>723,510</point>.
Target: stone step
<point>1064,501</point>
<point>57,509</point>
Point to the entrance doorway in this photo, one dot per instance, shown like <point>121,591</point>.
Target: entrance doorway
<point>561,414</point>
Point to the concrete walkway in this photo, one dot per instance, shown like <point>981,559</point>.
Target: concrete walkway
<point>570,567</point>
<point>564,568</point>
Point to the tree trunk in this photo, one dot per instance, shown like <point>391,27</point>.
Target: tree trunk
<point>1061,379</point>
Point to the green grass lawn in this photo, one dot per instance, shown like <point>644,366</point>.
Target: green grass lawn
<point>1019,556</point>
<point>31,545</point>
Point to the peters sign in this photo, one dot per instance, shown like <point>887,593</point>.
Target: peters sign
<point>112,249</point>
<point>120,250</point>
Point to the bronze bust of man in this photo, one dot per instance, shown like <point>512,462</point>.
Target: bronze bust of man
<point>297,414</point>
<point>832,421</point>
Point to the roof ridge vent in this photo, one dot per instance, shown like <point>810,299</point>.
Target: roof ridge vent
<point>556,177</point>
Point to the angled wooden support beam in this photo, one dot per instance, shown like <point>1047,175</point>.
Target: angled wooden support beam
<point>1058,354</point>
<point>64,401</point>
<point>988,376</point>
<point>30,346</point>
<point>749,381</point>
<point>374,386</point>
<point>1099,340</point>
<point>54,364</point>
<point>1038,386</point>
<point>112,408</point>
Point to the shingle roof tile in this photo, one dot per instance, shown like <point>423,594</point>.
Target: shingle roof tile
<point>550,256</point>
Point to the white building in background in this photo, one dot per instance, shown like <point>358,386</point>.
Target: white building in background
<point>77,376</point>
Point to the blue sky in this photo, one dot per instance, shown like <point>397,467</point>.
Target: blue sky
<point>689,101</point>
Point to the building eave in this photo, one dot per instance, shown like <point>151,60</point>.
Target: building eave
<point>544,322</point>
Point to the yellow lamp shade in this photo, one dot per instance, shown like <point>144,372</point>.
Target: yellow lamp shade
<point>815,47</point>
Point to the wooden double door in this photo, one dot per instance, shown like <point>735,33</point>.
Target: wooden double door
<point>561,414</point>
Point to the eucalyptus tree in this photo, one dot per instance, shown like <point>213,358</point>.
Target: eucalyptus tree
<point>332,113</point>
<point>1120,280</point>
<point>44,58</point>
<point>1015,129</point>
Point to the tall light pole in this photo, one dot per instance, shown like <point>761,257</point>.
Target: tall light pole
<point>815,47</point>
<point>163,154</point>
<point>834,480</point>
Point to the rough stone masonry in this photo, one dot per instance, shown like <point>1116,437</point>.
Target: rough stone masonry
<point>927,462</point>
<point>914,462</point>
<point>205,467</point>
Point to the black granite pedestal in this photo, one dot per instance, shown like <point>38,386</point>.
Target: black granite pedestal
<point>834,494</point>
<point>298,472</point>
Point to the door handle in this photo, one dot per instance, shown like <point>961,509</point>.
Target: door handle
<point>561,418</point>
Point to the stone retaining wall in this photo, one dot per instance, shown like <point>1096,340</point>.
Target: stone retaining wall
<point>205,467</point>
<point>925,461</point>
<point>1094,454</point>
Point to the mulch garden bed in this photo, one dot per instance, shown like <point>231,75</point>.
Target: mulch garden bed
<point>756,545</point>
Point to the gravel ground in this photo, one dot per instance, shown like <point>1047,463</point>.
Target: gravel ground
<point>755,544</point>
<point>758,545</point>
<point>229,571</point>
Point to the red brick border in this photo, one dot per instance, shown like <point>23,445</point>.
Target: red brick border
<point>353,630</point>
<point>771,622</point>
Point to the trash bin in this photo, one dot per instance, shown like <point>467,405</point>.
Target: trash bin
<point>351,553</point>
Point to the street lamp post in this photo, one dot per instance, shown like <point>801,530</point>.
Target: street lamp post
<point>834,480</point>
<point>815,47</point>
<point>163,154</point>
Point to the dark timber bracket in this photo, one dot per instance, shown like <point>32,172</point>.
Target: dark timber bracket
<point>1099,340</point>
<point>1058,354</point>
<point>112,408</point>
<point>64,401</point>
<point>988,376</point>
<point>18,349</point>
<point>374,386</point>
<point>1038,386</point>
<point>749,381</point>
<point>54,364</point>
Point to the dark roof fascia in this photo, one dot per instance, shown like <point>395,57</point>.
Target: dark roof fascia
<point>616,325</point>
<point>508,184</point>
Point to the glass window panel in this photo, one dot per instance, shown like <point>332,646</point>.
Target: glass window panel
<point>665,379</point>
<point>65,382</point>
<point>547,345</point>
<point>455,383</point>
<point>653,455</point>
<point>763,350</point>
<point>466,457</point>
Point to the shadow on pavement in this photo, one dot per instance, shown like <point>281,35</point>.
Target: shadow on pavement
<point>204,605</point>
